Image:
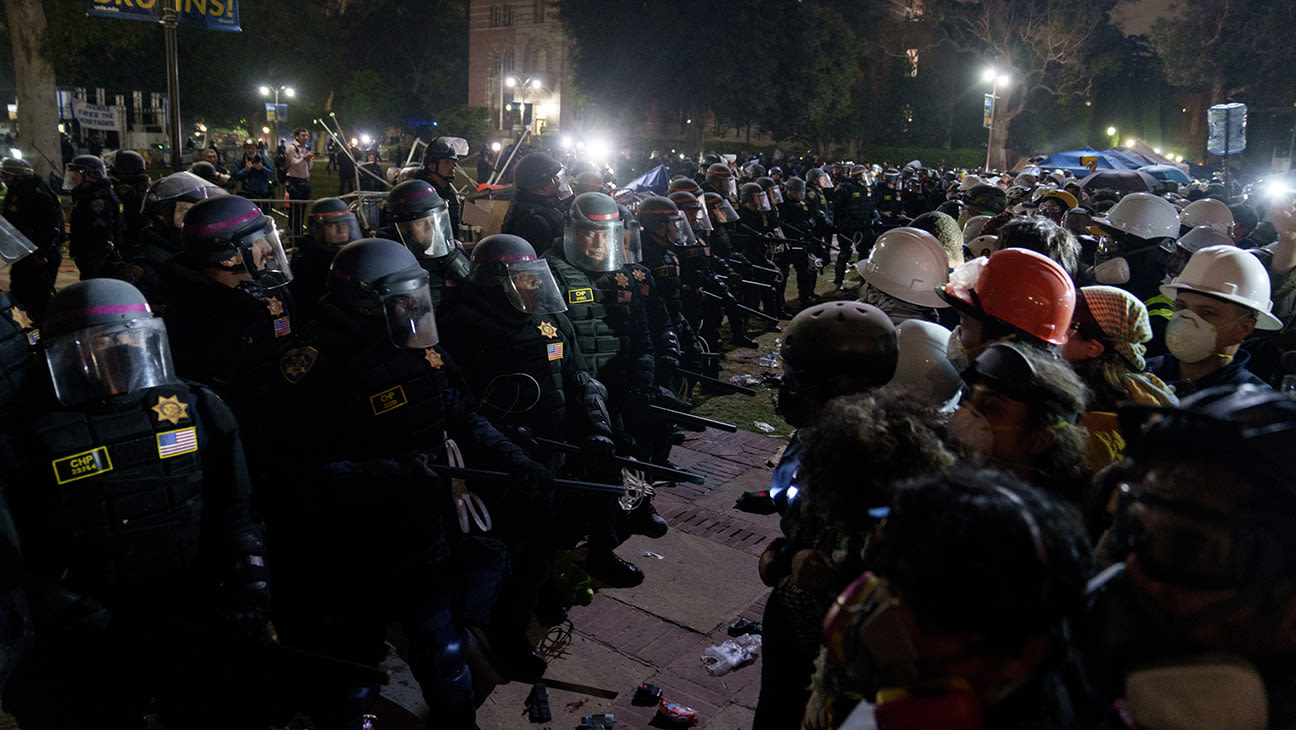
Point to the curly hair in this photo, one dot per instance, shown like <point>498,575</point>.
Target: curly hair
<point>1043,236</point>
<point>863,444</point>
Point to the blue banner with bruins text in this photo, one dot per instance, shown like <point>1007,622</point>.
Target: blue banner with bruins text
<point>209,14</point>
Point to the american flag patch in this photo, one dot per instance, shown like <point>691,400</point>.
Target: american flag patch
<point>555,350</point>
<point>282,326</point>
<point>175,443</point>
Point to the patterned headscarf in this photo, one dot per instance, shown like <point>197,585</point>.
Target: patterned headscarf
<point>1122,318</point>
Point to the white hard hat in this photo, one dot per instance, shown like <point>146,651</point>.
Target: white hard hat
<point>1144,215</point>
<point>969,182</point>
<point>973,227</point>
<point>923,366</point>
<point>983,245</point>
<point>908,263</point>
<point>1025,179</point>
<point>1206,212</point>
<point>1203,236</point>
<point>1231,274</point>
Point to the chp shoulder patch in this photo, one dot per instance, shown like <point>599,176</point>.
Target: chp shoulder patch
<point>580,296</point>
<point>297,362</point>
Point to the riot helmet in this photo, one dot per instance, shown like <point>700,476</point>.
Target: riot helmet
<point>422,218</point>
<point>169,198</point>
<point>815,176</point>
<point>439,150</point>
<point>776,173</point>
<point>588,182</point>
<point>593,236</point>
<point>771,189</point>
<point>720,178</point>
<point>684,184</point>
<point>128,162</point>
<point>101,340</point>
<point>332,223</point>
<point>16,166</point>
<point>84,168</point>
<point>536,171</point>
<point>204,170</point>
<point>718,207</point>
<point>832,349</point>
<point>796,188</point>
<point>661,217</point>
<point>753,194</point>
<point>378,277</point>
<point>230,233</point>
<point>691,206</point>
<point>510,263</point>
<point>754,170</point>
<point>631,241</point>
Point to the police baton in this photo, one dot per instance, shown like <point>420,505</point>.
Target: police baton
<point>756,284</point>
<point>652,470</point>
<point>689,420</point>
<point>744,308</point>
<point>499,476</point>
<point>723,384</point>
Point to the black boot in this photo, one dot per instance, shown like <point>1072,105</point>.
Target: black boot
<point>608,567</point>
<point>644,520</point>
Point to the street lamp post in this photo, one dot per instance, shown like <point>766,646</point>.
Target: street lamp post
<point>1111,136</point>
<point>995,79</point>
<point>288,92</point>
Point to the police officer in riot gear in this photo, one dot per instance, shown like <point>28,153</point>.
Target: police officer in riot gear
<point>165,203</point>
<point>757,238</point>
<point>536,213</point>
<point>131,183</point>
<point>96,225</point>
<point>421,220</point>
<point>227,309</point>
<point>439,161</point>
<point>719,179</point>
<point>32,208</point>
<point>144,565</point>
<point>853,213</point>
<point>360,519</point>
<point>795,213</point>
<point>703,272</point>
<point>330,225</point>
<point>508,332</point>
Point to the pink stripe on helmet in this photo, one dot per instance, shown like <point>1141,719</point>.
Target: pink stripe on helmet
<point>210,229</point>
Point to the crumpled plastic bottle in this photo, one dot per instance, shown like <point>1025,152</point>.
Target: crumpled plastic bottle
<point>731,654</point>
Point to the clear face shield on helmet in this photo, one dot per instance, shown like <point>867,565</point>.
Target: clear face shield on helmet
<point>335,229</point>
<point>13,244</point>
<point>698,218</point>
<point>762,201</point>
<point>407,307</point>
<point>733,189</point>
<point>99,362</point>
<point>530,288</point>
<point>594,246</point>
<point>678,229</point>
<point>631,245</point>
<point>723,212</point>
<point>428,236</point>
<point>263,256</point>
<point>775,193</point>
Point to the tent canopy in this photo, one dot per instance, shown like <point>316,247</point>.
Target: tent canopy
<point>1117,158</point>
<point>655,181</point>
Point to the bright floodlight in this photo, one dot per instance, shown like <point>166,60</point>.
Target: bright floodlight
<point>1004,79</point>
<point>535,83</point>
<point>495,146</point>
<point>1278,189</point>
<point>1129,143</point>
<point>365,139</point>
<point>290,92</point>
<point>989,74</point>
<point>265,130</point>
<point>599,150</point>
<point>265,91</point>
<point>566,143</point>
<point>354,142</point>
<point>510,82</point>
<point>1111,131</point>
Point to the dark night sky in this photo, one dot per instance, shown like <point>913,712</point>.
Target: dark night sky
<point>1137,16</point>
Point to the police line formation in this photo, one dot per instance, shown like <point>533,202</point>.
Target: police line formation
<point>1071,511</point>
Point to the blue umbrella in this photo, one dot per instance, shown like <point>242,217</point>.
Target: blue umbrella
<point>1166,172</point>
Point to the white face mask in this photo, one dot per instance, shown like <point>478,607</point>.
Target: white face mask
<point>1112,271</point>
<point>955,352</point>
<point>971,433</point>
<point>1189,337</point>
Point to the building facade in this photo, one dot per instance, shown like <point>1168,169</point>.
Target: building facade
<point>519,54</point>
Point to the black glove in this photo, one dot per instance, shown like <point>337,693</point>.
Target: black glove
<point>535,486</point>
<point>668,352</point>
<point>600,455</point>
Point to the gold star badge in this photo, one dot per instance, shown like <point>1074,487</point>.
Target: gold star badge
<point>20,318</point>
<point>275,306</point>
<point>171,409</point>
<point>547,329</point>
<point>433,358</point>
<point>639,275</point>
<point>622,280</point>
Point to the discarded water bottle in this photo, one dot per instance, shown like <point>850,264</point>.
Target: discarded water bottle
<point>773,358</point>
